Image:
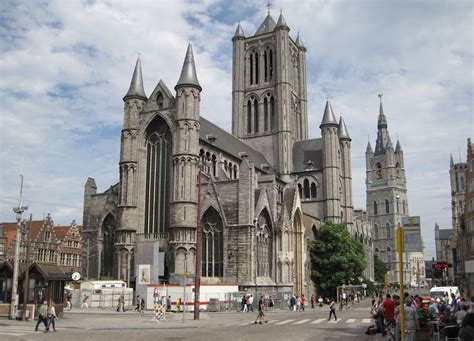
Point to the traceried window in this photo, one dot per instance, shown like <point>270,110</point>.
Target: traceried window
<point>212,244</point>
<point>264,245</point>
<point>268,63</point>
<point>253,62</point>
<point>158,179</point>
<point>159,100</point>
<point>108,236</point>
<point>387,206</point>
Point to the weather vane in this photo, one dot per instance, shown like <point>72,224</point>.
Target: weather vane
<point>269,4</point>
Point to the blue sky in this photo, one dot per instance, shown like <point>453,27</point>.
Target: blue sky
<point>65,66</point>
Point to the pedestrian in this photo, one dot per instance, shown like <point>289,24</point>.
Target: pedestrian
<point>312,299</point>
<point>320,301</point>
<point>271,303</point>
<point>261,315</point>
<point>178,305</point>
<point>411,320</point>
<point>138,303</point>
<point>69,300</point>
<point>332,311</point>
<point>168,303</point>
<point>121,303</point>
<point>302,301</point>
<point>298,304</point>
<point>467,328</point>
<point>51,316</point>
<point>388,309</point>
<point>250,303</point>
<point>84,304</point>
<point>244,304</point>
<point>142,305</point>
<point>43,316</point>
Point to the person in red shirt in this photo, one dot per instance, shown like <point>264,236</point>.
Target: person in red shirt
<point>388,308</point>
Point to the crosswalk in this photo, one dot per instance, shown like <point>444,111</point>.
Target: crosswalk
<point>277,322</point>
<point>15,331</point>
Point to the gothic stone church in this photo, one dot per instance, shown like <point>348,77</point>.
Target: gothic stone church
<point>265,189</point>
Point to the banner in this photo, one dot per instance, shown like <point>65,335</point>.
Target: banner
<point>144,274</point>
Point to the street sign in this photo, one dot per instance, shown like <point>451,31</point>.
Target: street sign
<point>441,265</point>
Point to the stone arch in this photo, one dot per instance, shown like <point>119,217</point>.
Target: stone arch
<point>298,245</point>
<point>264,242</point>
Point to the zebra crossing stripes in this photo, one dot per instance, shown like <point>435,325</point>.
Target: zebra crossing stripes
<point>366,321</point>
<point>245,323</point>
<point>318,321</point>
<point>335,321</point>
<point>272,321</point>
<point>16,331</point>
<point>361,309</point>
<point>302,321</point>
<point>350,320</point>
<point>284,322</point>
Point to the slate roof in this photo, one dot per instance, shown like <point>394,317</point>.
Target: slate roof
<point>230,144</point>
<point>136,86</point>
<point>188,72</point>
<point>268,25</point>
<point>304,151</point>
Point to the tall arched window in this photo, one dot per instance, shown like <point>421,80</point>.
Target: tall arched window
<point>256,118</point>
<point>158,179</point>
<point>387,206</point>
<point>273,114</point>
<point>266,118</point>
<point>404,207</point>
<point>253,67</point>
<point>212,244</point>
<point>249,117</point>
<point>300,189</point>
<point>313,190</point>
<point>306,189</point>
<point>375,208</point>
<point>108,259</point>
<point>389,231</point>
<point>376,231</point>
<point>264,245</point>
<point>159,100</point>
<point>268,63</point>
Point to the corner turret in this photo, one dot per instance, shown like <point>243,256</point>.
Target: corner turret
<point>188,76</point>
<point>343,133</point>
<point>136,86</point>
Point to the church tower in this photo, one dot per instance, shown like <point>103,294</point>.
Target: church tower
<point>347,208</point>
<point>386,191</point>
<point>134,101</point>
<point>185,168</point>
<point>269,97</point>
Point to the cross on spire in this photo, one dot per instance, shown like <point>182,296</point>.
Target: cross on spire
<point>269,4</point>
<point>380,96</point>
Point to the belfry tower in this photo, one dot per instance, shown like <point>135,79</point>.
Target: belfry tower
<point>269,97</point>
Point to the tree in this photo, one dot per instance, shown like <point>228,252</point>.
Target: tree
<point>337,258</point>
<point>380,268</point>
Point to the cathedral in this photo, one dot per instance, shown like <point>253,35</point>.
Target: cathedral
<point>260,193</point>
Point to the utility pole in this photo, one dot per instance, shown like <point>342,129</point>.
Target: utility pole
<point>400,247</point>
<point>26,285</point>
<point>18,211</point>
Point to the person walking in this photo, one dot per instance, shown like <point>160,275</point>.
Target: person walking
<point>332,311</point>
<point>271,303</point>
<point>142,305</point>
<point>84,304</point>
<point>69,301</point>
<point>302,302</point>
<point>261,315</point>
<point>168,303</point>
<point>312,299</point>
<point>121,303</point>
<point>244,304</point>
<point>388,309</point>
<point>138,302</point>
<point>320,302</point>
<point>51,316</point>
<point>178,305</point>
<point>43,316</point>
<point>250,303</point>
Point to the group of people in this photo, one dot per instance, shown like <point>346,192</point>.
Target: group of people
<point>296,303</point>
<point>385,314</point>
<point>47,316</point>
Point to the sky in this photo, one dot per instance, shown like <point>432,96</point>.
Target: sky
<point>66,65</point>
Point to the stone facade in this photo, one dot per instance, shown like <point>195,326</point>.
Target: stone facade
<point>443,250</point>
<point>259,193</point>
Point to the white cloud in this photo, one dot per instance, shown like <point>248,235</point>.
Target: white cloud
<point>65,67</point>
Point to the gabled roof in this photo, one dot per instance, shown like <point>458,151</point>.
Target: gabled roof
<point>307,150</point>
<point>268,25</point>
<point>230,144</point>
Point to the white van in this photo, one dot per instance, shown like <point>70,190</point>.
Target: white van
<point>443,291</point>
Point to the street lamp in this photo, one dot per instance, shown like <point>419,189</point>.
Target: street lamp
<point>18,211</point>
<point>197,278</point>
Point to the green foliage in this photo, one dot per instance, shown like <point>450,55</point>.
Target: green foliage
<point>380,268</point>
<point>337,258</point>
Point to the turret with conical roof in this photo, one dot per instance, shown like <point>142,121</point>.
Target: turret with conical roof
<point>281,24</point>
<point>331,171</point>
<point>346,174</point>
<point>267,26</point>
<point>299,43</point>
<point>239,33</point>
<point>383,138</point>
<point>185,160</point>
<point>136,86</point>
<point>188,76</point>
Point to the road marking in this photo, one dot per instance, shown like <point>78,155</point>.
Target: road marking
<point>350,320</point>
<point>285,322</point>
<point>302,321</point>
<point>336,321</point>
<point>318,321</point>
<point>273,321</point>
<point>365,320</point>
<point>245,323</point>
<point>361,309</point>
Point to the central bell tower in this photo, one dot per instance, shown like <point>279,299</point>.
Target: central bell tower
<point>269,97</point>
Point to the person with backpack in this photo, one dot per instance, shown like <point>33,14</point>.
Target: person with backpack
<point>332,311</point>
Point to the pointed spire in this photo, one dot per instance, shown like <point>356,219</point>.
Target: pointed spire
<point>398,147</point>
<point>268,25</point>
<point>282,22</point>
<point>451,161</point>
<point>239,33</point>
<point>382,120</point>
<point>136,86</point>
<point>343,133</point>
<point>328,118</point>
<point>368,150</point>
<point>299,42</point>
<point>188,72</point>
